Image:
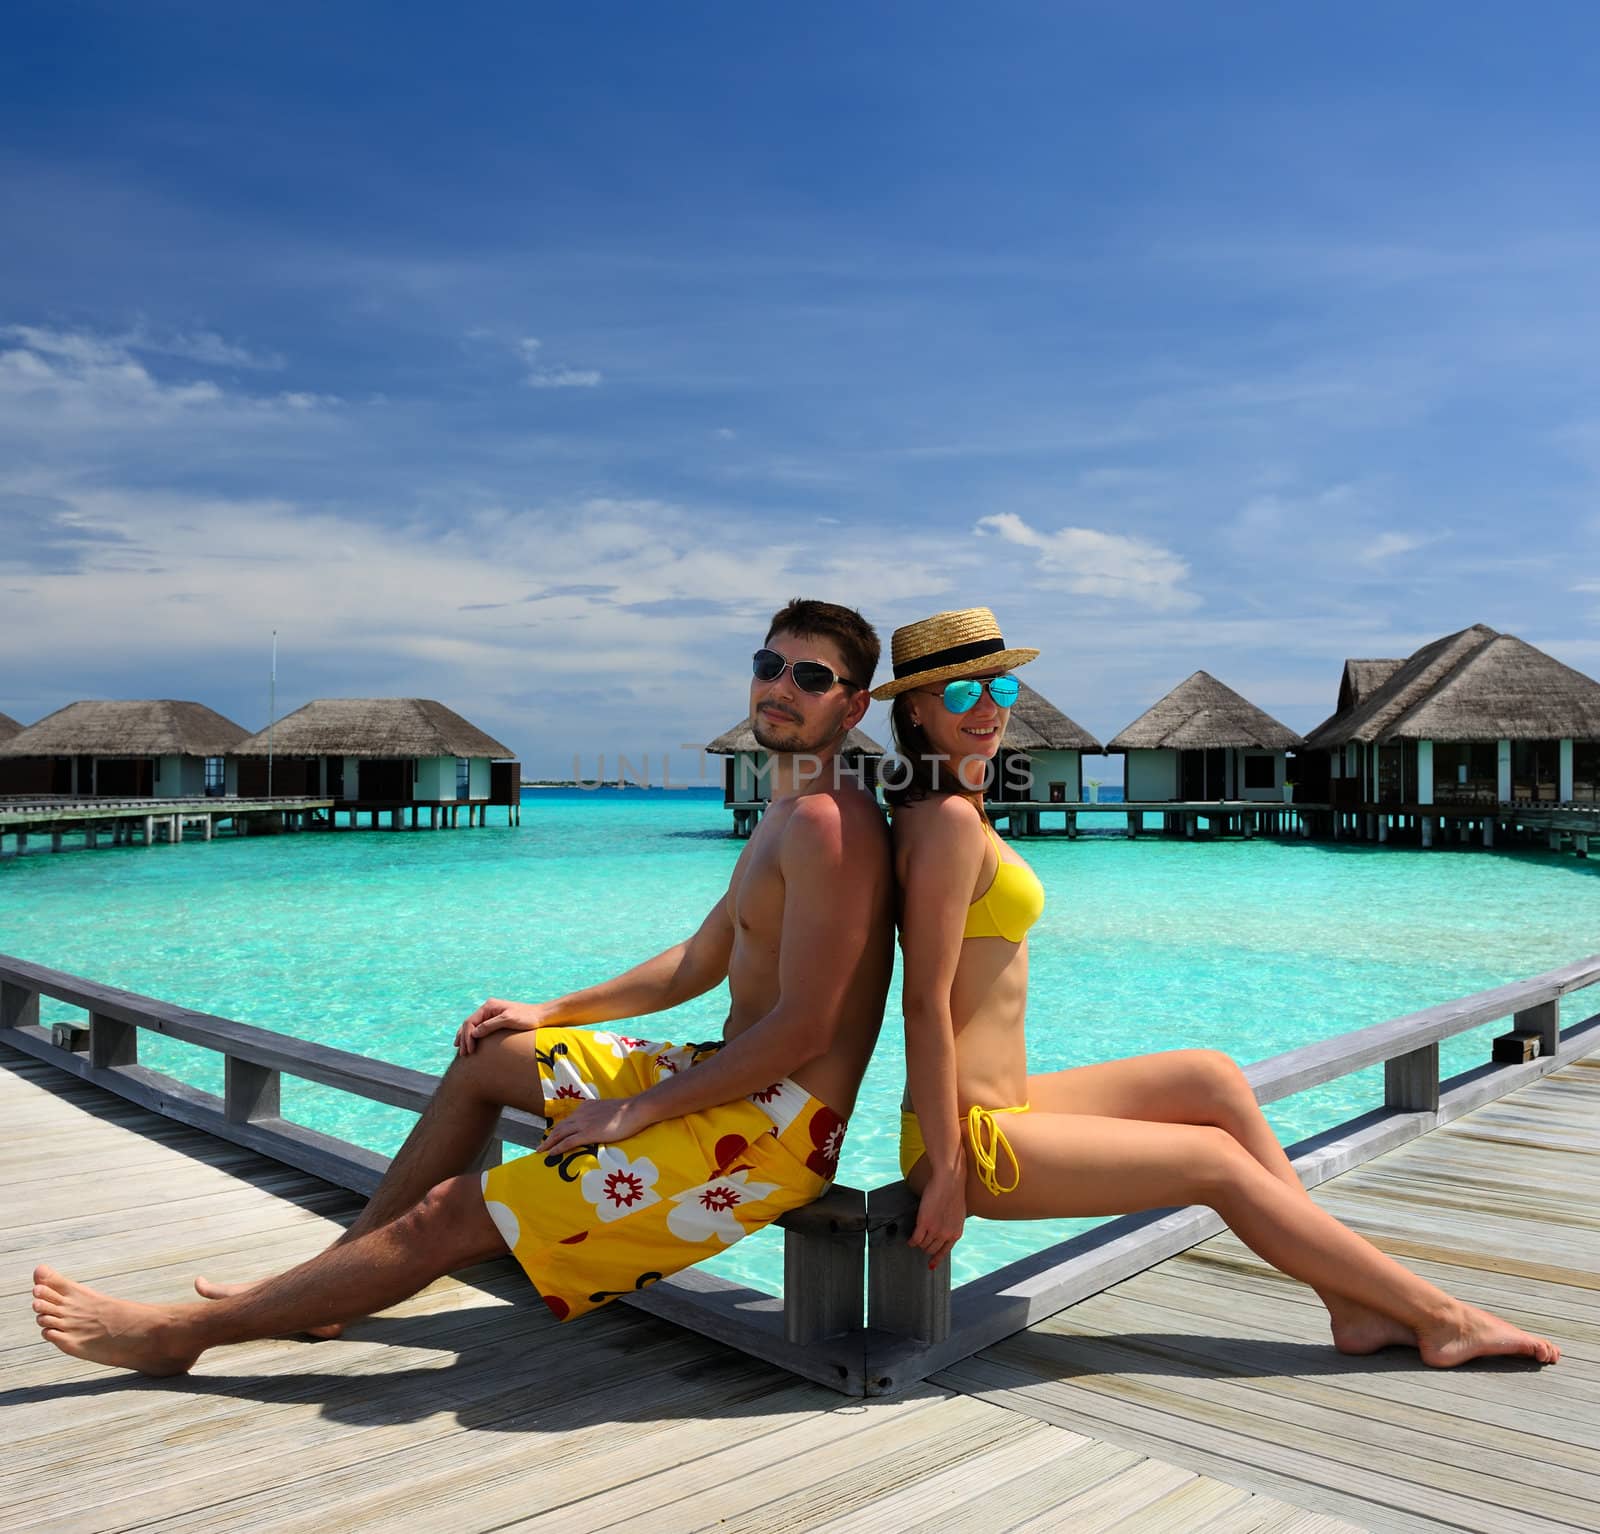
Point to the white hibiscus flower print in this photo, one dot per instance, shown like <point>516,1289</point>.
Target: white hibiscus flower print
<point>700,1213</point>
<point>622,1045</point>
<point>618,1186</point>
<point>781,1102</point>
<point>563,1080</point>
<point>669,1062</point>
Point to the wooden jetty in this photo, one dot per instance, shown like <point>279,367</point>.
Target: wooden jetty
<point>1246,818</point>
<point>1559,827</point>
<point>1151,1375</point>
<point>141,820</point>
<point>145,822</point>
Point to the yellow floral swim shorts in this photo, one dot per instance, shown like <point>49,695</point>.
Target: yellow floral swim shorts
<point>594,1222</point>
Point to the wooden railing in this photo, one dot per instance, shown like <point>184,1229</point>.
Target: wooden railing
<point>859,1310</point>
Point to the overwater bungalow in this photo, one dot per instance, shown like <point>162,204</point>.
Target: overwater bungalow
<point>1042,759</point>
<point>159,748</point>
<point>1204,743</point>
<point>746,783</point>
<point>400,755</point>
<point>1478,718</point>
<point>20,774</point>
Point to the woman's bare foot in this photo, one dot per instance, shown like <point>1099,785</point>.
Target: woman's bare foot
<point>1356,1329</point>
<point>1471,1333</point>
<point>87,1324</point>
<point>209,1289</point>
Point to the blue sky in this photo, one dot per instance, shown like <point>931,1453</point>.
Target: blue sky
<point>528,357</point>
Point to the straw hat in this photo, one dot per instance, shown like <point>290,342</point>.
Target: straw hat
<point>947,646</point>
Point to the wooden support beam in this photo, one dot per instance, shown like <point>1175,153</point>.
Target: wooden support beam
<point>19,1006</point>
<point>112,1042</point>
<point>1544,1020</point>
<point>904,1296</point>
<point>1411,1081</point>
<point>249,1091</point>
<point>823,1272</point>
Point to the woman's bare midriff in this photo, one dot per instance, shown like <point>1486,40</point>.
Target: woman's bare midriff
<point>988,1005</point>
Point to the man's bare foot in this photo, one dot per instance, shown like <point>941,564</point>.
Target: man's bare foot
<point>209,1289</point>
<point>122,1333</point>
<point>1356,1329</point>
<point>1471,1333</point>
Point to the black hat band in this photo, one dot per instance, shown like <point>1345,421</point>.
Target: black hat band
<point>954,656</point>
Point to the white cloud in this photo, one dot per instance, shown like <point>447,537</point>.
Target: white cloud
<point>76,382</point>
<point>1091,563</point>
<point>632,597</point>
<point>1387,546</point>
<point>207,346</point>
<point>87,349</point>
<point>544,375</point>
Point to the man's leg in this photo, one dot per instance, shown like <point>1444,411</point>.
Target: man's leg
<point>447,1229</point>
<point>448,1137</point>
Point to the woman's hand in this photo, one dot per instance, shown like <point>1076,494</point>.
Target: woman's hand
<point>940,1216</point>
<point>495,1015</point>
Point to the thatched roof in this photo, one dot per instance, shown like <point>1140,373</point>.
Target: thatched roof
<point>1038,725</point>
<point>1473,685</point>
<point>1362,678</point>
<point>147,727</point>
<point>1202,713</point>
<point>373,727</point>
<point>742,738</point>
<point>8,727</point>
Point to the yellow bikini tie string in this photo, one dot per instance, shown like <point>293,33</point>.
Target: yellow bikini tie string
<point>988,1142</point>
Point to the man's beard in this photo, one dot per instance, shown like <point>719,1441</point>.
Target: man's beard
<point>787,738</point>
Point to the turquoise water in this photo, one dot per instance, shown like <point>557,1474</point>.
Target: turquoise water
<point>380,942</point>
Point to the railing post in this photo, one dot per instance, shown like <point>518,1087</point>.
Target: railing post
<point>112,1042</point>
<point>1411,1081</point>
<point>249,1091</point>
<point>1543,1019</point>
<point>19,1006</point>
<point>904,1296</point>
<point>824,1272</point>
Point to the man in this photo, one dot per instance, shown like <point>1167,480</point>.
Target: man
<point>657,1155</point>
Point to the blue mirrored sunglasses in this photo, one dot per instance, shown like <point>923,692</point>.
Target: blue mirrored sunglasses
<point>962,695</point>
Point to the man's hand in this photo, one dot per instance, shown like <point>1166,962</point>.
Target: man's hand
<point>495,1015</point>
<point>599,1121</point>
<point>941,1215</point>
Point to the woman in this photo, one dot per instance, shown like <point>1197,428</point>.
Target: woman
<point>984,1137</point>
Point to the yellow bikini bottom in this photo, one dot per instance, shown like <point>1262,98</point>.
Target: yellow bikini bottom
<point>989,1143</point>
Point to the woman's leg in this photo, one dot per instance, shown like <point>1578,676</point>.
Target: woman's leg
<point>1077,1164</point>
<point>1204,1086</point>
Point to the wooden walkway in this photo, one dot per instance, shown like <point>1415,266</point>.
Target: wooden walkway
<point>1196,1396</point>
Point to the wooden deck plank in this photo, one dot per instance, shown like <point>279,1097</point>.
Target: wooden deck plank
<point>1026,1476</point>
<point>1358,1398</point>
<point>1114,1372</point>
<point>1244,1459</point>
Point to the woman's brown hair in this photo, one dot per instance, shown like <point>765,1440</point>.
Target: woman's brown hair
<point>915,770</point>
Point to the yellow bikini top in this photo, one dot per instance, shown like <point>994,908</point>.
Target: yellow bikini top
<point>1012,903</point>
